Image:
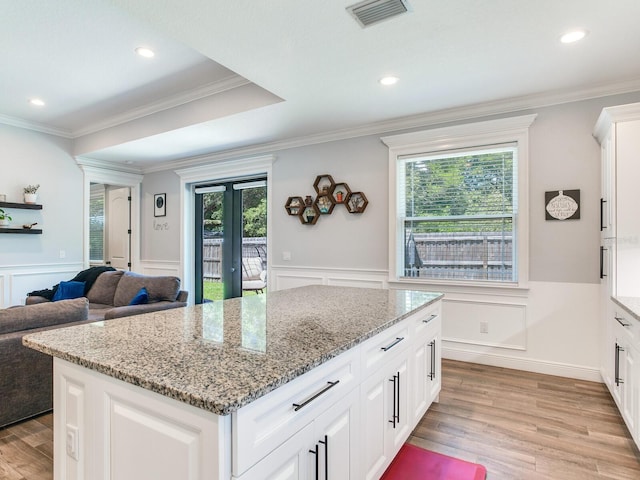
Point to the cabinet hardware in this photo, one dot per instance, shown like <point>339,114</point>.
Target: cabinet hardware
<point>315,452</point>
<point>432,372</point>
<point>617,365</point>
<point>325,442</point>
<point>330,385</point>
<point>395,419</point>
<point>620,321</point>
<point>392,344</point>
<point>430,318</point>
<point>602,202</point>
<point>602,250</point>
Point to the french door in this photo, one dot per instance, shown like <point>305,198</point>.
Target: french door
<point>231,243</point>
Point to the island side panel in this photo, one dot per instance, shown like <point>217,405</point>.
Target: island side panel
<point>106,429</point>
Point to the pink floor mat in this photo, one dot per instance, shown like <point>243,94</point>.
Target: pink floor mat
<point>415,463</point>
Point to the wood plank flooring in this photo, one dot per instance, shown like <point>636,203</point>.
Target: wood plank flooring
<point>519,425</point>
<point>26,450</point>
<point>528,426</point>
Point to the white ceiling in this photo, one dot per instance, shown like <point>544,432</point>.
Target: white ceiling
<point>229,74</point>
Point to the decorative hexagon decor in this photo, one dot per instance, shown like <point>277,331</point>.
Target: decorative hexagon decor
<point>309,213</point>
<point>328,195</point>
<point>293,205</point>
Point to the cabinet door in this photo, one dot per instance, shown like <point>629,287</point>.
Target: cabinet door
<point>425,369</point>
<point>398,397</point>
<point>608,175</point>
<point>374,418</point>
<point>290,461</point>
<point>435,366</point>
<point>336,434</point>
<point>629,392</point>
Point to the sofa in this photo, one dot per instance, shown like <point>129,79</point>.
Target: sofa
<point>26,376</point>
<point>112,293</point>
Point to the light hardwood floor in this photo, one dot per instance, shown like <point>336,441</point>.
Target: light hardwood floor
<point>519,425</point>
<point>523,426</point>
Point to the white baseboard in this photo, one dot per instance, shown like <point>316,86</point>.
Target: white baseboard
<point>525,364</point>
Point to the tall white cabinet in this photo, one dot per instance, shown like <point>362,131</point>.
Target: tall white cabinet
<point>618,132</point>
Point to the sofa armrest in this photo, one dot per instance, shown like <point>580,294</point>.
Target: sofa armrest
<point>35,299</point>
<point>182,296</point>
<point>129,310</point>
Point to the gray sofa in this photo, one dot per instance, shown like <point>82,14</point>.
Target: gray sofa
<point>111,293</point>
<point>26,376</point>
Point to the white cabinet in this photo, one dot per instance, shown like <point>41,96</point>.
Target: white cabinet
<point>425,362</point>
<point>618,131</point>
<point>343,420</point>
<point>625,386</point>
<point>324,449</point>
<point>385,416</point>
<point>107,429</point>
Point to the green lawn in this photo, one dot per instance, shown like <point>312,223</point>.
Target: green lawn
<point>213,290</point>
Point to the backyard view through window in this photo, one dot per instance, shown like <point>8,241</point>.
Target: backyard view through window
<point>457,213</point>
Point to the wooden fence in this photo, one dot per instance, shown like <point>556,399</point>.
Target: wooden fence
<point>212,254</point>
<point>468,256</point>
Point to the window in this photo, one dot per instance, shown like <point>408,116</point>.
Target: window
<point>459,210</point>
<point>96,226</point>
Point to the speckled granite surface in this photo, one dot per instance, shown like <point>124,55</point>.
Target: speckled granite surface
<point>631,304</point>
<point>220,356</point>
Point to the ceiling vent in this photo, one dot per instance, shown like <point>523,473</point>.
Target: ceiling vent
<point>370,12</point>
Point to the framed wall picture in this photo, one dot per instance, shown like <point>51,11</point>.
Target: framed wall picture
<point>160,205</point>
<point>562,205</point>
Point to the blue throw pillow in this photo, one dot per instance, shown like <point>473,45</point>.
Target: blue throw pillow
<point>69,290</point>
<point>141,297</point>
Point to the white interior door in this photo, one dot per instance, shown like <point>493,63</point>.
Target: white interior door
<point>118,228</point>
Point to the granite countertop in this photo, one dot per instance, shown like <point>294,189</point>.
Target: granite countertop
<point>631,304</point>
<point>220,356</point>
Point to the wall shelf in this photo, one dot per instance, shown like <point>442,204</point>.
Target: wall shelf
<point>29,231</point>
<point>24,206</point>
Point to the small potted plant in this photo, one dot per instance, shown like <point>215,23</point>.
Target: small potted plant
<point>31,193</point>
<point>4,218</point>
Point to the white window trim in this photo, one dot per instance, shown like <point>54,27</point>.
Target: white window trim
<point>505,130</point>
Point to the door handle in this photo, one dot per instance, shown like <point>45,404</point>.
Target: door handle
<point>602,202</point>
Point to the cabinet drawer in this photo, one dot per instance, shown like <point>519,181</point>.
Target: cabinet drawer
<point>268,422</point>
<point>625,323</point>
<point>422,323</point>
<point>384,346</point>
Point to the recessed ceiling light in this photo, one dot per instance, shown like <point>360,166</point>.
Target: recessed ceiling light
<point>36,102</point>
<point>145,52</point>
<point>389,80</point>
<point>573,36</point>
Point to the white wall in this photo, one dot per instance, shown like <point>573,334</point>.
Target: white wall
<point>29,262</point>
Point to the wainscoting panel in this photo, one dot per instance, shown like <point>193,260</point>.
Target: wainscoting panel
<point>16,282</point>
<point>290,277</point>
<point>150,267</point>
<point>501,325</point>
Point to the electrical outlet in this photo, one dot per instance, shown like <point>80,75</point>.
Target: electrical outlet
<point>73,442</point>
<point>484,327</point>
<point>63,254</point>
<point>286,256</point>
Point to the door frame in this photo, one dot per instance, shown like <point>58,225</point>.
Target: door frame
<point>214,172</point>
<point>97,174</point>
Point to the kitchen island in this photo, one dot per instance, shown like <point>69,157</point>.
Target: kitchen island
<point>299,383</point>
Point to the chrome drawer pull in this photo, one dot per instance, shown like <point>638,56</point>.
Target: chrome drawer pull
<point>298,406</point>
<point>435,315</point>
<point>392,344</point>
<point>620,321</point>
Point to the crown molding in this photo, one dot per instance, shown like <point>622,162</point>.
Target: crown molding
<point>458,114</point>
<point>86,163</point>
<point>35,126</point>
<point>182,98</point>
